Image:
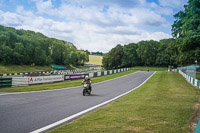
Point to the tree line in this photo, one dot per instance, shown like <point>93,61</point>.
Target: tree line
<point>27,47</point>
<point>96,53</point>
<point>182,49</point>
<point>143,53</point>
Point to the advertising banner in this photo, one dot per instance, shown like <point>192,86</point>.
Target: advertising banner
<point>74,76</point>
<point>45,79</point>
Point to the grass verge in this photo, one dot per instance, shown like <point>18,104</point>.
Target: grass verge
<point>198,76</point>
<point>165,103</point>
<point>65,84</point>
<point>4,69</point>
<point>144,68</point>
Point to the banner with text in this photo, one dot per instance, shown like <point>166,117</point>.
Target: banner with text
<point>45,79</point>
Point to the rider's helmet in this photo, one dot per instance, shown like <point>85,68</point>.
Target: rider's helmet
<point>86,77</point>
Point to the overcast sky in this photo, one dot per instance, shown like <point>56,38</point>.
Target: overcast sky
<point>94,25</point>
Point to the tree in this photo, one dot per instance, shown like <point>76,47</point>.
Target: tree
<point>73,58</point>
<point>130,57</point>
<point>113,59</point>
<point>105,61</point>
<point>163,57</point>
<point>5,52</point>
<point>82,57</point>
<point>18,54</point>
<point>26,47</point>
<point>116,56</point>
<point>147,51</point>
<point>186,30</point>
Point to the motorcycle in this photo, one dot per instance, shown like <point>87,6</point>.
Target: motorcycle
<point>86,89</point>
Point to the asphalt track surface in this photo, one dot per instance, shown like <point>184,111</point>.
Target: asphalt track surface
<point>27,112</point>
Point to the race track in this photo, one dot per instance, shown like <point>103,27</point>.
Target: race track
<point>27,112</point>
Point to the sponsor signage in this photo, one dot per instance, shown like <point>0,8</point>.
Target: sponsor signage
<point>45,79</point>
<point>77,76</point>
<point>74,76</point>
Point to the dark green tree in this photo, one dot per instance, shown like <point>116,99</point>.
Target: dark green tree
<point>163,56</point>
<point>186,31</point>
<point>130,57</point>
<point>6,54</point>
<point>18,54</point>
<point>113,59</point>
<point>107,64</point>
<point>147,51</point>
<point>73,58</point>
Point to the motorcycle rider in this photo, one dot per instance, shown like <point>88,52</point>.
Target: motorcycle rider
<point>88,82</point>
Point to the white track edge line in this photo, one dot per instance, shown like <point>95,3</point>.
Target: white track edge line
<point>15,93</point>
<point>85,111</point>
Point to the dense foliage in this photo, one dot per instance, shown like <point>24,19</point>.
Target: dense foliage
<point>143,53</point>
<point>186,31</point>
<point>183,49</point>
<point>96,53</point>
<point>27,47</point>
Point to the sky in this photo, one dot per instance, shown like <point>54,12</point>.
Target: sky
<point>94,25</point>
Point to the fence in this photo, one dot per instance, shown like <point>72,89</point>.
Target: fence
<point>5,82</point>
<point>20,81</point>
<point>59,72</point>
<point>29,80</point>
<point>108,72</point>
<point>94,74</point>
<point>190,79</point>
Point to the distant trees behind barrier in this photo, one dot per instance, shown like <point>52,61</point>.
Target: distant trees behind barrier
<point>182,49</point>
<point>28,47</point>
<point>143,53</point>
<point>150,53</point>
<point>96,53</point>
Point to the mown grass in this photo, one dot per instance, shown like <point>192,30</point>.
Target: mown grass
<point>198,76</point>
<point>165,104</point>
<point>65,84</point>
<point>76,67</point>
<point>94,59</point>
<point>144,68</point>
<point>5,69</point>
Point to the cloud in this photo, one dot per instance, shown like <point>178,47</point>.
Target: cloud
<point>111,36</point>
<point>173,3</point>
<point>11,19</point>
<point>44,6</point>
<point>92,24</point>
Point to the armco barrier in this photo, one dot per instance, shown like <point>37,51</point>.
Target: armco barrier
<point>191,80</point>
<point>99,74</point>
<point>20,81</point>
<point>29,80</point>
<point>94,74</point>
<point>60,72</point>
<point>102,73</point>
<point>108,72</point>
<point>5,82</point>
<point>105,72</point>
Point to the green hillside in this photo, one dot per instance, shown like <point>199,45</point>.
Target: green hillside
<point>95,59</point>
<point>5,69</point>
<point>24,47</point>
